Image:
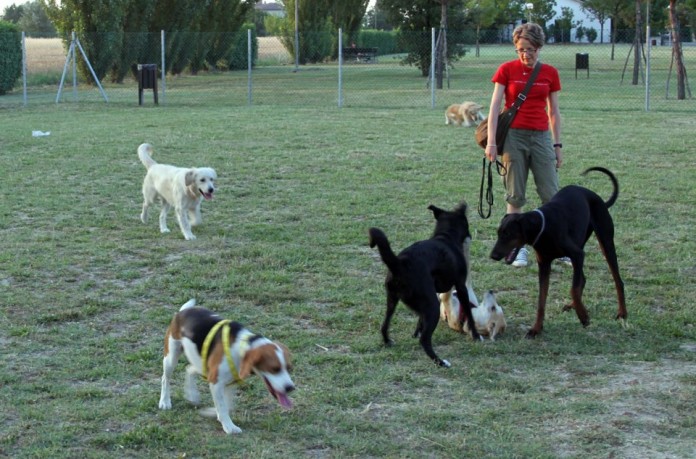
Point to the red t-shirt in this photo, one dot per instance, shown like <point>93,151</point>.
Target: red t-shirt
<point>532,114</point>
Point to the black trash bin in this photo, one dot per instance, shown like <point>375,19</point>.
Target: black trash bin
<point>582,62</point>
<point>147,79</point>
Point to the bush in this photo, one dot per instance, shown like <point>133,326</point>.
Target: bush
<point>10,56</point>
<point>385,42</point>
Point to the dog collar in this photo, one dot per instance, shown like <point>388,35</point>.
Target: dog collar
<point>543,226</point>
<point>244,346</point>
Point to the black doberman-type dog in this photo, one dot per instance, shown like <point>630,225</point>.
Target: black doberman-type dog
<point>559,228</point>
<point>423,270</point>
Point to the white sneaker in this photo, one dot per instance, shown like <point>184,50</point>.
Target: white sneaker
<point>521,258</point>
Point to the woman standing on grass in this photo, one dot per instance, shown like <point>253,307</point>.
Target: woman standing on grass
<point>529,144</point>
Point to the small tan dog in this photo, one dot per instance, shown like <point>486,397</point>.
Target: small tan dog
<point>489,317</point>
<point>468,113</point>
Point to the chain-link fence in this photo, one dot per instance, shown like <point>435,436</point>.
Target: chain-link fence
<point>594,76</point>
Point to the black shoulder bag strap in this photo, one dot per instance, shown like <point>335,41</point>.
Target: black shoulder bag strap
<point>521,97</point>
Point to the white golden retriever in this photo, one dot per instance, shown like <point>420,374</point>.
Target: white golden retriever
<point>178,187</point>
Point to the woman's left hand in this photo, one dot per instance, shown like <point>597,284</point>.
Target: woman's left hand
<point>559,158</point>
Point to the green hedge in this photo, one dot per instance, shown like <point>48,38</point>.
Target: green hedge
<point>10,56</point>
<point>385,42</point>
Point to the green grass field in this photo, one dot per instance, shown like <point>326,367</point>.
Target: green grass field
<point>88,290</point>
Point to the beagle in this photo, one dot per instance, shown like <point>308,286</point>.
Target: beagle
<point>224,353</point>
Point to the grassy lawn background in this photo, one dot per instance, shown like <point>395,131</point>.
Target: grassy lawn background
<point>88,290</point>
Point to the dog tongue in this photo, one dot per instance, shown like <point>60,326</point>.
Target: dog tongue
<point>207,196</point>
<point>284,401</point>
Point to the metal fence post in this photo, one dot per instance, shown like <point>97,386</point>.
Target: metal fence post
<point>164,70</point>
<point>340,67</point>
<point>432,67</point>
<point>249,62</point>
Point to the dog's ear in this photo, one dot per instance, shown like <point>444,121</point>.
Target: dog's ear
<point>250,359</point>
<point>286,355</point>
<point>436,211</point>
<point>461,208</point>
<point>190,177</point>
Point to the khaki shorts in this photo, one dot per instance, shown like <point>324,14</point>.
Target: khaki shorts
<point>526,151</point>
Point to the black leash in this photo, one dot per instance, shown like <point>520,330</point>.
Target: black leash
<point>489,188</point>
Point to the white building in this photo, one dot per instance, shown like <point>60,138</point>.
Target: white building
<point>587,20</point>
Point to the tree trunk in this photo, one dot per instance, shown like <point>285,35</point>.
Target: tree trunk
<point>637,44</point>
<point>677,51</point>
<point>441,51</point>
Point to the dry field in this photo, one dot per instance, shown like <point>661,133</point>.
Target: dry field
<point>46,55</point>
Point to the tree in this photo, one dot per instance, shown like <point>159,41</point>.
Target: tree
<point>116,34</point>
<point>415,20</point>
<point>677,54</point>
<point>10,56</point>
<point>35,21</point>
<point>543,11</point>
<point>314,29</point>
<point>637,42</point>
<point>13,13</point>
<point>615,9</point>
<point>600,10</point>
<point>97,22</point>
<point>347,15</point>
<point>563,26</point>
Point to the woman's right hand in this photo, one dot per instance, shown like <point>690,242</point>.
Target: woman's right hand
<point>491,152</point>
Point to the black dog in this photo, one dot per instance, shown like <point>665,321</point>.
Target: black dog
<point>561,227</point>
<point>425,269</point>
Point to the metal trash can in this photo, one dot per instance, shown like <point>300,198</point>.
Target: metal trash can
<point>147,79</point>
<point>582,62</point>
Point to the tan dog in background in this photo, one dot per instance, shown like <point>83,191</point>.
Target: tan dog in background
<point>469,113</point>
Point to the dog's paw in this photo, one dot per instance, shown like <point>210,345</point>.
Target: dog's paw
<point>231,428</point>
<point>192,395</point>
<point>190,237</point>
<point>531,334</point>
<point>389,342</point>
<point>164,230</point>
<point>445,364</point>
<point>165,404</point>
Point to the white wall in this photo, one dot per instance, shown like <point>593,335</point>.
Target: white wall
<point>586,18</point>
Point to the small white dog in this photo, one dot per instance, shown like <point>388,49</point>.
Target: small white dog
<point>178,187</point>
<point>468,113</point>
<point>488,316</point>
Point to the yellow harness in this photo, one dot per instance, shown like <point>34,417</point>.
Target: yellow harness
<point>244,343</point>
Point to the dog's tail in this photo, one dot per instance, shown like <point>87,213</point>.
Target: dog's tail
<point>145,155</point>
<point>189,304</point>
<point>612,199</point>
<point>379,239</point>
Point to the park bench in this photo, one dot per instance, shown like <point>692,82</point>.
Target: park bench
<point>360,55</point>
